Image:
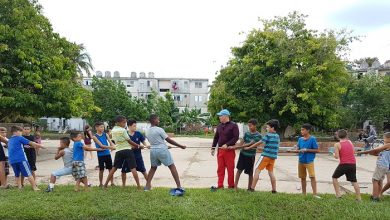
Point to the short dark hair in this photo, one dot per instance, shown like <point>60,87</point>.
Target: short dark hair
<point>342,133</point>
<point>307,126</point>
<point>74,134</point>
<point>252,121</point>
<point>16,128</point>
<point>273,123</point>
<point>26,126</point>
<point>99,123</point>
<point>130,122</point>
<point>386,135</point>
<point>65,140</point>
<point>120,118</point>
<point>153,117</point>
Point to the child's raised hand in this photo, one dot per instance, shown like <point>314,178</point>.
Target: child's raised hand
<point>183,147</point>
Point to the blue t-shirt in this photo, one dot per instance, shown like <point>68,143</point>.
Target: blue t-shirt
<point>15,149</point>
<point>310,143</point>
<point>78,151</point>
<point>104,141</point>
<point>137,138</point>
<point>271,145</point>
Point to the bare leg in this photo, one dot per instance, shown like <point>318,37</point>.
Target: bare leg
<point>136,178</point>
<point>313,185</point>
<point>33,174</point>
<point>112,180</point>
<point>18,181</point>
<point>33,184</point>
<point>238,174</point>
<point>250,180</point>
<point>152,171</point>
<point>255,178</point>
<point>273,180</point>
<point>101,177</point>
<point>85,181</point>
<point>3,179</point>
<point>145,175</point>
<point>53,179</point>
<point>375,188</point>
<point>110,176</point>
<point>357,191</point>
<point>303,184</point>
<point>336,186</point>
<point>123,175</point>
<point>175,175</point>
<point>385,188</point>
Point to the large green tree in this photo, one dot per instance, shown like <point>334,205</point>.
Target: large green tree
<point>286,71</point>
<point>38,72</point>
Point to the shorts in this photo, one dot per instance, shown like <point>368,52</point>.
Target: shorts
<point>266,163</point>
<point>31,158</point>
<point>78,170</point>
<point>125,159</point>
<point>302,167</point>
<point>140,166</point>
<point>6,166</point>
<point>349,170</point>
<point>160,156</point>
<point>380,173</point>
<point>105,161</point>
<point>62,172</point>
<point>246,164</point>
<point>21,168</point>
<point>2,154</point>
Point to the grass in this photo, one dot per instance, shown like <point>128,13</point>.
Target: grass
<point>128,203</point>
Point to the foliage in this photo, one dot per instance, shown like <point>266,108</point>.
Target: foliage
<point>38,72</point>
<point>114,203</point>
<point>285,71</point>
<point>84,62</point>
<point>191,120</point>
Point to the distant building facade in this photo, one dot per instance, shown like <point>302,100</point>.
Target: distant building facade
<point>376,68</point>
<point>186,92</point>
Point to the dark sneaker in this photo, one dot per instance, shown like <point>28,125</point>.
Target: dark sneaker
<point>49,189</point>
<point>273,192</point>
<point>373,199</point>
<point>250,190</point>
<point>213,189</point>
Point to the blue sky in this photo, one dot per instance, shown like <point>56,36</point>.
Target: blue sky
<point>176,38</point>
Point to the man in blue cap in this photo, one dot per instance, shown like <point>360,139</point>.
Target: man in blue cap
<point>226,136</point>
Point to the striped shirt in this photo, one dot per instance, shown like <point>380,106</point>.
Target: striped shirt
<point>271,145</point>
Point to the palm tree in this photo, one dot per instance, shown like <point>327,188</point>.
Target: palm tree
<point>191,118</point>
<point>84,61</point>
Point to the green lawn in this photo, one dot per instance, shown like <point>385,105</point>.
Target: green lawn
<point>118,203</point>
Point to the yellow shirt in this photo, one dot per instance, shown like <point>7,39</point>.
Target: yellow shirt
<point>120,136</point>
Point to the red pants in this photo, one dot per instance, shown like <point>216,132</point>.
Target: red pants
<point>226,161</point>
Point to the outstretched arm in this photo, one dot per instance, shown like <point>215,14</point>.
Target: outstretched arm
<point>59,154</point>
<point>92,148</point>
<point>376,150</point>
<point>336,151</point>
<point>35,145</point>
<point>169,140</point>
<point>255,145</point>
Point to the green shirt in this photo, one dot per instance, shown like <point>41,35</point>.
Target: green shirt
<point>120,136</point>
<point>251,137</point>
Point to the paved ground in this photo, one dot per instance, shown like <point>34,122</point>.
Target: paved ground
<point>197,168</point>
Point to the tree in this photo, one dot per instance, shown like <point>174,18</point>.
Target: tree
<point>285,71</point>
<point>84,61</point>
<point>38,72</point>
<point>165,108</point>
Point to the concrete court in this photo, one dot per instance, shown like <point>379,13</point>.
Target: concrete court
<point>197,168</point>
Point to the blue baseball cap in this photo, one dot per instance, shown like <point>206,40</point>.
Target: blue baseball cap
<point>224,112</point>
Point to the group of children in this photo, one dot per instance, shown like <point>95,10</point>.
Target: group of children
<point>19,152</point>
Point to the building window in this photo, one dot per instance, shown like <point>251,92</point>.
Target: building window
<point>198,85</point>
<point>164,90</point>
<point>86,83</point>
<point>148,83</point>
<point>177,98</point>
<point>198,98</point>
<point>387,73</point>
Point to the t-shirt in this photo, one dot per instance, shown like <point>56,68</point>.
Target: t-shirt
<point>248,138</point>
<point>310,143</point>
<point>156,137</point>
<point>27,148</point>
<point>384,159</point>
<point>78,151</point>
<point>15,149</point>
<point>271,145</point>
<point>5,148</point>
<point>103,139</point>
<point>120,136</point>
<point>137,138</point>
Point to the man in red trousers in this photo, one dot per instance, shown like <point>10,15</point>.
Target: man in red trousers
<point>226,136</point>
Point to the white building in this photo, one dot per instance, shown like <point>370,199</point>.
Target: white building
<point>190,92</point>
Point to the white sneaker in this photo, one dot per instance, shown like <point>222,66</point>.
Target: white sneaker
<point>317,197</point>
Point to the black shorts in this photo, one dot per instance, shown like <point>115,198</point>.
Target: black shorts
<point>349,170</point>
<point>31,158</point>
<point>2,154</point>
<point>246,163</point>
<point>105,161</point>
<point>125,159</point>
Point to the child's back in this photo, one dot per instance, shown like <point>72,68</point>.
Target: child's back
<point>68,157</point>
<point>347,152</point>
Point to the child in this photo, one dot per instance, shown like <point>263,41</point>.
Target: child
<point>17,157</point>
<point>246,160</point>
<point>79,171</point>
<point>29,151</point>
<point>382,167</point>
<point>344,150</point>
<point>159,153</point>
<point>104,157</point>
<point>64,152</point>
<point>4,165</point>
<point>270,152</point>
<point>307,149</point>
<point>88,139</point>
<point>124,157</point>
<point>137,138</point>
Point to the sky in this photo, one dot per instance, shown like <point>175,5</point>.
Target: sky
<point>193,38</point>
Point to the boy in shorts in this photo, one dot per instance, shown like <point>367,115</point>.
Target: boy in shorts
<point>246,160</point>
<point>382,166</point>
<point>307,148</point>
<point>345,151</point>
<point>124,157</point>
<point>29,151</point>
<point>159,153</point>
<point>4,165</point>
<point>79,172</point>
<point>270,152</point>
<point>17,157</point>
<point>102,140</point>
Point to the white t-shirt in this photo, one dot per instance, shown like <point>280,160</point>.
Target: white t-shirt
<point>156,137</point>
<point>5,149</point>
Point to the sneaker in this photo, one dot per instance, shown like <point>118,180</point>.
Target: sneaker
<point>274,192</point>
<point>146,189</point>
<point>213,189</point>
<point>250,190</point>
<point>176,192</point>
<point>317,197</point>
<point>89,184</point>
<point>373,199</point>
